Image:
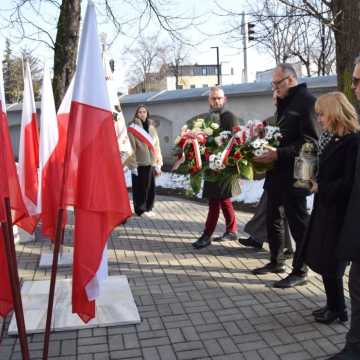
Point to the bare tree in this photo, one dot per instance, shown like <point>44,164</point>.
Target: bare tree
<point>147,57</point>
<point>286,33</point>
<point>177,54</point>
<point>28,21</point>
<point>344,20</point>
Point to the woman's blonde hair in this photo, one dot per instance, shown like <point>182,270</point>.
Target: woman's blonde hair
<point>339,111</point>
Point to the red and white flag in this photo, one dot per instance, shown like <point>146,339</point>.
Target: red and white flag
<point>52,153</point>
<point>9,188</point>
<point>94,179</point>
<point>29,151</point>
<point>120,125</point>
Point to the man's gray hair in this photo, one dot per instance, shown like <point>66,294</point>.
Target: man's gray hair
<point>357,60</point>
<point>287,69</point>
<point>215,88</point>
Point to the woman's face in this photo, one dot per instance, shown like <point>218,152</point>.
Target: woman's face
<point>142,114</point>
<point>324,121</point>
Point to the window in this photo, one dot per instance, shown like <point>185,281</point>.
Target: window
<point>205,85</point>
<point>197,70</point>
<point>192,86</point>
<point>204,71</point>
<point>179,87</point>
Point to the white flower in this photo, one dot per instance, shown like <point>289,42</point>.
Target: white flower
<point>219,165</point>
<point>198,123</point>
<point>219,140</point>
<point>259,152</point>
<point>214,126</point>
<point>184,128</point>
<point>257,144</point>
<point>225,134</point>
<point>208,131</point>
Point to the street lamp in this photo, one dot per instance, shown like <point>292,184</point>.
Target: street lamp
<point>217,64</point>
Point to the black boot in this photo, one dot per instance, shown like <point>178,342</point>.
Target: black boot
<point>269,268</point>
<point>250,242</point>
<point>329,316</point>
<point>203,241</point>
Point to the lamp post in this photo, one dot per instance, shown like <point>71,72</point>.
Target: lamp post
<point>217,64</point>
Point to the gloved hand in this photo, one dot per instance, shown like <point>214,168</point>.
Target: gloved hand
<point>134,171</point>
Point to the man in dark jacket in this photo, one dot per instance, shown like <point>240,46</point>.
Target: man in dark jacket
<point>296,118</point>
<point>218,193</point>
<point>349,249</point>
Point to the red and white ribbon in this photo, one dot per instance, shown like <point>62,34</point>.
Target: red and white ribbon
<point>143,136</point>
<point>194,139</point>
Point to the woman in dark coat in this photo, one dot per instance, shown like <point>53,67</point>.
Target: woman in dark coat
<point>332,187</point>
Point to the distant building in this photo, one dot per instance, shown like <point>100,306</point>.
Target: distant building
<point>265,76</point>
<point>172,77</point>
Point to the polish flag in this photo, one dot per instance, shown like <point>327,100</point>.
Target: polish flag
<point>29,152</point>
<point>94,180</point>
<point>9,188</point>
<point>52,153</point>
<point>120,125</point>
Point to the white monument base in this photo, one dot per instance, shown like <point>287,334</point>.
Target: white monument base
<point>21,236</point>
<point>115,306</point>
<point>65,258</point>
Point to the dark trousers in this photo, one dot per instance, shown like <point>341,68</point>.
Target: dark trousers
<point>256,226</point>
<point>353,336</point>
<point>143,188</point>
<point>334,288</point>
<point>294,207</point>
<point>214,212</point>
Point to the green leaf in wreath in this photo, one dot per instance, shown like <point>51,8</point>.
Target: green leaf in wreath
<point>246,170</point>
<point>195,182</point>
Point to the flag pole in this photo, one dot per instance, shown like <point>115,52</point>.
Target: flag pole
<point>58,239</point>
<point>14,279</point>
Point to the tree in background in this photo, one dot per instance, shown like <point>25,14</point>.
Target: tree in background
<point>27,19</point>
<point>13,74</point>
<point>287,33</point>
<point>343,18</point>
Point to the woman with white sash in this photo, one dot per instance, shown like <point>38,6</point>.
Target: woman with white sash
<point>145,162</point>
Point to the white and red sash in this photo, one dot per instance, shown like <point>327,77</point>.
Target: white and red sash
<point>143,136</point>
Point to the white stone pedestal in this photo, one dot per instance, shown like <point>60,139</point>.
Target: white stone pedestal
<point>114,307</point>
<point>21,236</point>
<point>65,258</point>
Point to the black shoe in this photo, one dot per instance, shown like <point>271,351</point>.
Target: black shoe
<point>269,268</point>
<point>330,316</point>
<point>290,281</point>
<point>203,241</point>
<point>348,353</point>
<point>319,311</point>
<point>250,242</point>
<point>232,236</point>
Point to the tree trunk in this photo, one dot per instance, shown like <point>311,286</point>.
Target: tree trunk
<point>347,36</point>
<point>66,46</point>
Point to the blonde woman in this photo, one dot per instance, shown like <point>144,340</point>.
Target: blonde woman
<point>332,187</point>
<point>146,161</point>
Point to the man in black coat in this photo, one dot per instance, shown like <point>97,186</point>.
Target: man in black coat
<point>349,249</point>
<point>296,118</point>
<point>218,193</point>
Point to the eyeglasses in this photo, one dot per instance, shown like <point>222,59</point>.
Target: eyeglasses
<point>275,84</point>
<point>355,81</point>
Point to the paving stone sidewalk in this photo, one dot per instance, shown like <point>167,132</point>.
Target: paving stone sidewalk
<point>194,304</point>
